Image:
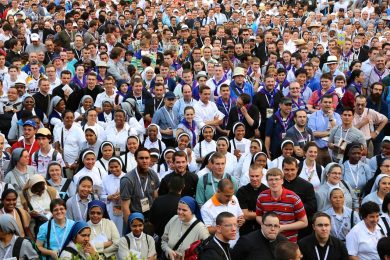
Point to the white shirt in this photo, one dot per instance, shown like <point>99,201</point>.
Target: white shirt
<point>119,139</point>
<point>236,144</point>
<point>111,186</point>
<point>362,243</point>
<point>131,162</point>
<point>213,86</point>
<point>95,174</point>
<point>203,148</point>
<point>313,175</point>
<point>102,96</point>
<point>205,112</point>
<point>73,140</point>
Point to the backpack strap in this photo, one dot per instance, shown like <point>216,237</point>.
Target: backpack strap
<point>66,185</point>
<point>185,235</point>
<point>346,186</point>
<point>17,247</point>
<point>386,226</point>
<point>159,146</point>
<point>54,155</point>
<point>48,233</point>
<point>128,241</point>
<point>104,167</point>
<point>205,177</point>
<point>36,158</point>
<point>27,200</point>
<point>20,216</point>
<point>71,250</point>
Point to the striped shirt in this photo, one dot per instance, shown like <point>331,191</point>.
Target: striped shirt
<point>288,207</point>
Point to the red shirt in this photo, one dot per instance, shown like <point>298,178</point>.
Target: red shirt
<point>30,148</point>
<point>288,207</point>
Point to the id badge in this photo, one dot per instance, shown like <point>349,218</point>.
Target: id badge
<point>342,144</point>
<point>117,210</point>
<point>283,135</point>
<point>357,192</point>
<point>269,112</point>
<point>145,205</point>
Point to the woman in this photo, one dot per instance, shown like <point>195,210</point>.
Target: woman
<point>183,142</point>
<point>57,107</point>
<point>239,144</point>
<point>36,197</point>
<point>77,244</point>
<point>104,236</point>
<point>189,126</point>
<point>106,116</point>
<point>19,172</point>
<point>153,140</point>
<point>87,167</point>
<point>205,145</point>
<point>101,71</point>
<point>355,172</point>
<point>133,117</point>
<point>137,242</point>
<point>287,148</point>
<point>309,170</point>
<point>147,77</point>
<point>91,141</point>
<point>122,92</point>
<point>52,234</point>
<point>261,160</point>
<point>379,190</point>
<point>223,146</point>
<point>86,103</point>
<point>132,145</point>
<point>106,151</point>
<point>9,198</point>
<point>91,121</point>
<point>384,221</point>
<point>165,165</point>
<point>245,161</point>
<point>331,178</point>
<point>78,204</point>
<point>188,218</point>
<point>68,139</point>
<point>111,191</point>
<point>355,82</point>
<point>355,65</point>
<point>342,218</point>
<point>12,245</point>
<point>65,187</point>
<point>205,168</point>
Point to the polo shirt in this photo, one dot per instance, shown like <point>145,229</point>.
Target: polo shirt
<point>288,207</point>
<point>315,101</point>
<point>319,122</point>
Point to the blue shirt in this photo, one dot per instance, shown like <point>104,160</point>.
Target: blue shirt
<point>314,84</point>
<point>319,122</point>
<point>166,120</point>
<point>235,91</point>
<point>57,234</point>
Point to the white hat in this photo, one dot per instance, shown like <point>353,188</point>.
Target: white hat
<point>238,71</point>
<point>332,60</point>
<point>34,37</point>
<point>386,138</point>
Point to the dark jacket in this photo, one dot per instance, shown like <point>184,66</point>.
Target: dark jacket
<point>234,118</point>
<point>214,251</point>
<point>337,249</point>
<point>260,101</point>
<point>255,246</point>
<point>190,180</point>
<point>74,99</point>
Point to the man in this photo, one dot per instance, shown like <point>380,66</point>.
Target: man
<point>378,72</point>
<point>138,188</point>
<point>260,244</point>
<point>92,89</point>
<point>68,91</point>
<point>115,66</point>
<point>267,101</point>
<point>180,163</point>
<point>247,196</point>
<point>277,126</point>
<point>223,200</point>
<point>155,103</point>
<point>344,134</point>
<point>313,82</point>
<point>206,187</point>
<point>359,53</point>
<point>321,245</point>
<point>54,81</point>
<point>183,102</point>
<point>166,118</point>
<point>369,64</point>
<point>33,78</point>
<point>139,94</point>
<point>219,248</point>
<point>14,48</point>
<point>294,92</point>
<point>287,250</point>
<point>383,248</point>
<point>224,104</point>
<point>287,204</point>
<point>326,88</point>
<point>369,121</point>
<point>217,81</point>
<point>246,113</point>
<point>28,142</point>
<point>296,63</point>
<point>238,85</point>
<point>36,44</point>
<point>108,94</point>
<point>8,108</point>
<point>42,97</point>
<point>321,122</point>
<point>300,134</point>
<point>206,112</point>
<point>301,187</point>
<point>66,36</point>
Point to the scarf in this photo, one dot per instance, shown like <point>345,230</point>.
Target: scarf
<point>357,86</point>
<point>330,91</point>
<point>192,129</point>
<point>270,95</point>
<point>380,74</point>
<point>279,119</point>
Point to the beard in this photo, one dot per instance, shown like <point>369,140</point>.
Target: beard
<point>376,97</point>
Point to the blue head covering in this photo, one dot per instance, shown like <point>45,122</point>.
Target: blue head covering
<point>191,203</point>
<point>76,228</point>
<point>135,215</point>
<point>101,205</point>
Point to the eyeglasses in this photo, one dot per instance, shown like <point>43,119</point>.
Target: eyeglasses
<point>272,226</point>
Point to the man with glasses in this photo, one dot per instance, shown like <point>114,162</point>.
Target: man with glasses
<point>287,205</point>
<point>321,245</point>
<point>260,244</point>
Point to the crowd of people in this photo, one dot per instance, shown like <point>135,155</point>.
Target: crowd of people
<point>206,129</point>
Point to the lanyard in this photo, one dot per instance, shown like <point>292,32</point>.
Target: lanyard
<point>154,104</point>
<point>82,216</point>
<point>326,254</point>
<point>7,252</point>
<point>172,118</point>
<point>138,249</point>
<point>346,134</point>
<point>227,108</point>
<point>339,229</point>
<point>143,190</point>
<point>303,138</point>
<point>226,255</point>
<point>24,146</point>
<point>356,181</point>
<point>63,235</point>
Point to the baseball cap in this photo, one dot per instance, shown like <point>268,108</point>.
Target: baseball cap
<point>34,37</point>
<point>43,132</point>
<point>30,123</point>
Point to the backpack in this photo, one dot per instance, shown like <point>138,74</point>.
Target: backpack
<point>205,179</point>
<point>18,245</point>
<point>53,157</point>
<point>192,253</point>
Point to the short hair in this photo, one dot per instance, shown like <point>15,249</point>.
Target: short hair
<point>176,184</point>
<point>141,149</point>
<point>308,145</point>
<point>55,203</point>
<point>179,154</point>
<point>300,71</point>
<point>327,76</point>
<point>290,160</point>
<point>269,214</point>
<point>327,96</point>
<point>368,208</point>
<point>221,216</point>
<point>348,109</point>
<point>224,184</point>
<point>386,201</point>
<point>320,214</point>
<point>286,250</point>
<point>274,172</point>
<point>202,88</point>
<point>383,247</point>
<point>217,155</point>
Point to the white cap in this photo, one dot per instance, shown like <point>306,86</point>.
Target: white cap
<point>34,37</point>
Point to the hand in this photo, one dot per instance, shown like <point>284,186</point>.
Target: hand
<point>237,153</point>
<point>330,114</point>
<point>88,248</point>
<point>299,152</point>
<point>172,255</point>
<point>53,254</point>
<point>373,135</point>
<point>244,111</point>
<point>216,117</point>
<point>365,121</point>
<point>189,152</point>
<point>169,131</point>
<point>257,133</point>
<point>240,221</point>
<point>67,93</point>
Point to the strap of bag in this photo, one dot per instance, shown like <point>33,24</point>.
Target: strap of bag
<point>185,235</point>
<point>20,216</point>
<point>71,250</point>
<point>27,200</point>
<point>48,233</point>
<point>386,225</point>
<point>128,241</point>
<point>17,247</point>
<point>352,219</point>
<point>66,185</point>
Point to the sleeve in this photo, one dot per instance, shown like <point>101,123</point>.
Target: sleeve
<point>69,211</point>
<point>123,250</point>
<point>163,186</point>
<point>259,207</point>
<point>320,200</point>
<point>27,251</point>
<point>125,188</point>
<point>98,102</point>
<point>12,134</point>
<point>312,98</point>
<point>311,202</point>
<point>352,243</point>
<point>165,238</point>
<point>241,198</point>
<point>241,249</point>
<point>361,138</point>
<point>255,116</point>
<point>42,233</point>
<point>332,134</point>
<point>269,126</point>
<point>156,117</point>
<point>372,164</point>
<point>208,220</point>
<point>114,237</point>
<point>197,150</point>
<point>312,122</point>
<point>299,209</point>
<point>200,192</point>
<point>152,246</point>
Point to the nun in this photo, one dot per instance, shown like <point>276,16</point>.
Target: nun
<point>379,190</point>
